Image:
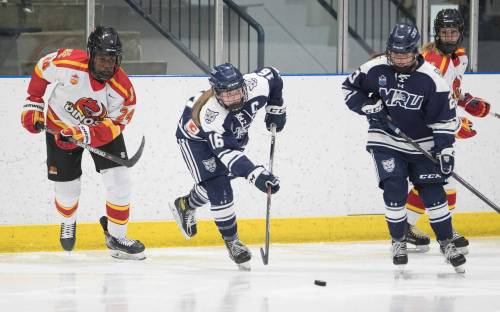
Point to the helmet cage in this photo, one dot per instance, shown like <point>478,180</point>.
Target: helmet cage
<point>104,41</point>
<point>404,38</point>
<point>448,18</point>
<point>225,79</point>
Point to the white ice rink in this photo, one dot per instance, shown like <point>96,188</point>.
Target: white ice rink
<point>359,276</point>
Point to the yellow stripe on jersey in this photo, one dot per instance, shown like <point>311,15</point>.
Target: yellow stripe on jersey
<point>72,63</point>
<point>38,72</point>
<point>115,130</point>
<point>119,87</point>
<point>444,62</point>
<point>56,121</point>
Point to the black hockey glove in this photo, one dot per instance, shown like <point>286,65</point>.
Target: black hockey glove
<point>376,114</point>
<point>446,160</point>
<point>263,179</point>
<point>275,114</point>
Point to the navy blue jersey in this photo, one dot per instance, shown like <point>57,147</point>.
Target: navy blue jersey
<point>225,132</point>
<point>419,103</point>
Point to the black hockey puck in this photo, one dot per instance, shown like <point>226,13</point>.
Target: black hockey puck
<point>319,283</point>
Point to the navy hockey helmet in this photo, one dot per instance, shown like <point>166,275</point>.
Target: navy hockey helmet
<point>402,47</point>
<point>229,86</point>
<point>448,18</point>
<point>104,41</point>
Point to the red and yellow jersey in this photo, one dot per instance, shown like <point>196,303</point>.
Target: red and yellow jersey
<point>77,98</point>
<point>452,67</point>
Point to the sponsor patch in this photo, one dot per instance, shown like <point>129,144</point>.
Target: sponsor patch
<point>192,128</point>
<point>52,170</point>
<point>382,80</point>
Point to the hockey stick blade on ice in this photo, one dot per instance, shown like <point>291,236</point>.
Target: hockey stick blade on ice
<point>497,115</point>
<point>459,179</point>
<point>124,162</point>
<point>265,254</point>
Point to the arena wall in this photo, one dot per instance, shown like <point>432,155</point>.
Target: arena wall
<point>328,185</point>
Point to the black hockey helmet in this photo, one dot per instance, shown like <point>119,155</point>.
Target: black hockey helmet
<point>448,18</point>
<point>404,38</point>
<point>225,78</point>
<point>104,40</point>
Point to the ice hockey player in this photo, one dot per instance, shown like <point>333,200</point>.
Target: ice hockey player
<point>446,54</point>
<point>212,134</point>
<point>402,87</point>
<point>92,102</point>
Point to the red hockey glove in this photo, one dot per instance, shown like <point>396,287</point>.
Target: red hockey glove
<point>465,131</point>
<point>33,114</point>
<point>79,133</point>
<point>474,105</point>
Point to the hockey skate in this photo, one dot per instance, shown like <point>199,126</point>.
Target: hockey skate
<point>122,248</point>
<point>184,216</point>
<point>399,253</point>
<point>461,243</point>
<point>239,253</point>
<point>68,236</point>
<point>452,256</point>
<point>417,238</point>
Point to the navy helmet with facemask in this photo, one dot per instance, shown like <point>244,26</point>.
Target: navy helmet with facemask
<point>404,38</point>
<point>448,18</point>
<point>224,79</point>
<point>104,41</point>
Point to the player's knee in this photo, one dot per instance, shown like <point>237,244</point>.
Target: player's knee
<point>67,193</point>
<point>219,190</point>
<point>395,191</point>
<point>117,183</point>
<point>433,195</point>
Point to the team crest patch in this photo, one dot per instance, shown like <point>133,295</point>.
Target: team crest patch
<point>389,164</point>
<point>251,83</point>
<point>210,164</point>
<point>210,116</point>
<point>382,80</point>
<point>74,79</point>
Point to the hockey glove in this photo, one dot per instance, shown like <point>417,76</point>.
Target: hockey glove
<point>446,160</point>
<point>275,114</point>
<point>465,131</point>
<point>263,179</point>
<point>79,133</point>
<point>33,114</point>
<point>474,105</point>
<point>376,114</point>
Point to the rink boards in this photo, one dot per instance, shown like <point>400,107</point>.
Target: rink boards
<point>328,192</point>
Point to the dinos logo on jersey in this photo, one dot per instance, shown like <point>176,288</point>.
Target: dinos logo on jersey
<point>397,97</point>
<point>87,111</point>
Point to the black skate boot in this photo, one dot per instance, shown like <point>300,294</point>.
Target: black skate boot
<point>68,236</point>
<point>239,253</point>
<point>417,238</point>
<point>399,253</point>
<point>461,243</point>
<point>184,216</point>
<point>122,248</point>
<point>452,256</point>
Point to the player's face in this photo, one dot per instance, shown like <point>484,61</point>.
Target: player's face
<point>402,59</point>
<point>231,98</point>
<point>104,64</point>
<point>449,35</point>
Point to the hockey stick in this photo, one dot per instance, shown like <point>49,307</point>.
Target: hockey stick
<point>124,162</point>
<point>497,115</point>
<point>453,174</point>
<point>265,255</point>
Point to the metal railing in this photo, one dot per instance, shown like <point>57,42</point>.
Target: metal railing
<point>189,26</point>
<point>371,21</point>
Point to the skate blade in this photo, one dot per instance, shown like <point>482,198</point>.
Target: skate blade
<point>460,269</point>
<point>418,249</point>
<point>245,266</point>
<point>177,219</point>
<point>463,250</point>
<point>126,256</point>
